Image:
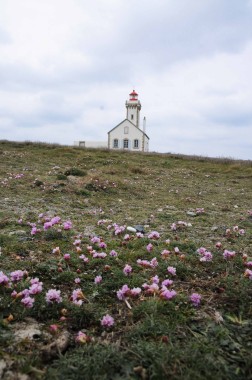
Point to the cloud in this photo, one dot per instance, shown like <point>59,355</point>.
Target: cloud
<point>66,69</point>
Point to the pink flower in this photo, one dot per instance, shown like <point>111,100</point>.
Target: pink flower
<point>17,275</point>
<point>107,321</point>
<point>56,250</point>
<point>195,298</point>
<point>67,225</point>
<point>176,250</point>
<point>47,225</point>
<point>155,279</point>
<point>77,297</point>
<point>126,237</point>
<point>173,226</point>
<point>127,270</point>
<point>168,294</point>
<point>77,280</point>
<point>154,235</point>
<point>113,253</point>
<point>4,280</point>
<point>149,247</point>
<point>165,253</point>
<point>172,271</point>
<point>53,328</point>
<point>207,256</point>
<point>84,258</point>
<point>228,254</point>
<point>82,338</point>
<point>218,245</point>
<point>248,273</point>
<point>28,302</point>
<point>167,282</point>
<point>241,232</point>
<point>67,256</point>
<point>36,288</point>
<point>77,242</point>
<point>34,231</point>
<point>55,220</point>
<point>100,255</point>
<point>135,292</point>
<point>98,279</point>
<point>53,295</point>
<point>95,240</point>
<point>123,292</point>
<point>102,245</point>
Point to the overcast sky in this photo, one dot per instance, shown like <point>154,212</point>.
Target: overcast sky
<point>67,67</point>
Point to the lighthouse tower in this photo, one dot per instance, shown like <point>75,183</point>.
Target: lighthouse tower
<point>133,107</point>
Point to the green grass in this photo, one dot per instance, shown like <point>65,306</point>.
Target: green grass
<point>152,338</point>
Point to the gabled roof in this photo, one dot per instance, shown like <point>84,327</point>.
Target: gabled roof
<point>132,125</point>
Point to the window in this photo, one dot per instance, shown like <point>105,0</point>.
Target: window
<point>115,145</point>
<point>132,117</point>
<point>126,130</point>
<point>136,144</point>
<point>125,143</point>
<point>82,144</point>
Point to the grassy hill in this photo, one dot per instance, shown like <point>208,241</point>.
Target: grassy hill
<point>83,297</point>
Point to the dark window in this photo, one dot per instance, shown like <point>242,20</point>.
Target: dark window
<point>126,143</point>
<point>115,143</point>
<point>136,143</point>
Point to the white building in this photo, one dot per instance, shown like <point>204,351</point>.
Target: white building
<point>128,135</point>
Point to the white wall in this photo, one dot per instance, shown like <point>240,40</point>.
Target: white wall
<point>134,133</point>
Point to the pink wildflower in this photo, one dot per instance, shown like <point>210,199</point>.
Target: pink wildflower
<point>167,282</point>
<point>4,280</point>
<point>95,240</point>
<point>113,253</point>
<point>123,292</point>
<point>176,249</point>
<point>82,338</point>
<point>17,275</point>
<point>107,321</point>
<point>36,288</point>
<point>155,279</point>
<point>77,297</point>
<point>248,273</point>
<point>67,225</point>
<point>172,271</point>
<point>47,225</point>
<point>135,292</point>
<point>154,235</point>
<point>228,254</point>
<point>77,280</point>
<point>195,298</point>
<point>102,245</point>
<point>127,270</point>
<point>67,256</point>
<point>149,247</point>
<point>77,242</point>
<point>34,230</point>
<point>98,279</point>
<point>167,294</point>
<point>55,220</point>
<point>84,258</point>
<point>165,253</point>
<point>56,250</point>
<point>126,237</point>
<point>218,245</point>
<point>100,255</point>
<point>53,295</point>
<point>28,302</point>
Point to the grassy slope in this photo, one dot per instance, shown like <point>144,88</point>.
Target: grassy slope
<point>155,339</point>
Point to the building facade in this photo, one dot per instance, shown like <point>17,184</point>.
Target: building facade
<point>128,135</point>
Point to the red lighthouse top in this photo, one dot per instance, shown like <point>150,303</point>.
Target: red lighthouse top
<point>133,95</point>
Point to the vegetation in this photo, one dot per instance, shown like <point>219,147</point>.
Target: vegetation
<point>85,297</point>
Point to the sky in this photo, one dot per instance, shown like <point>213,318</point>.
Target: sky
<point>67,67</point>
